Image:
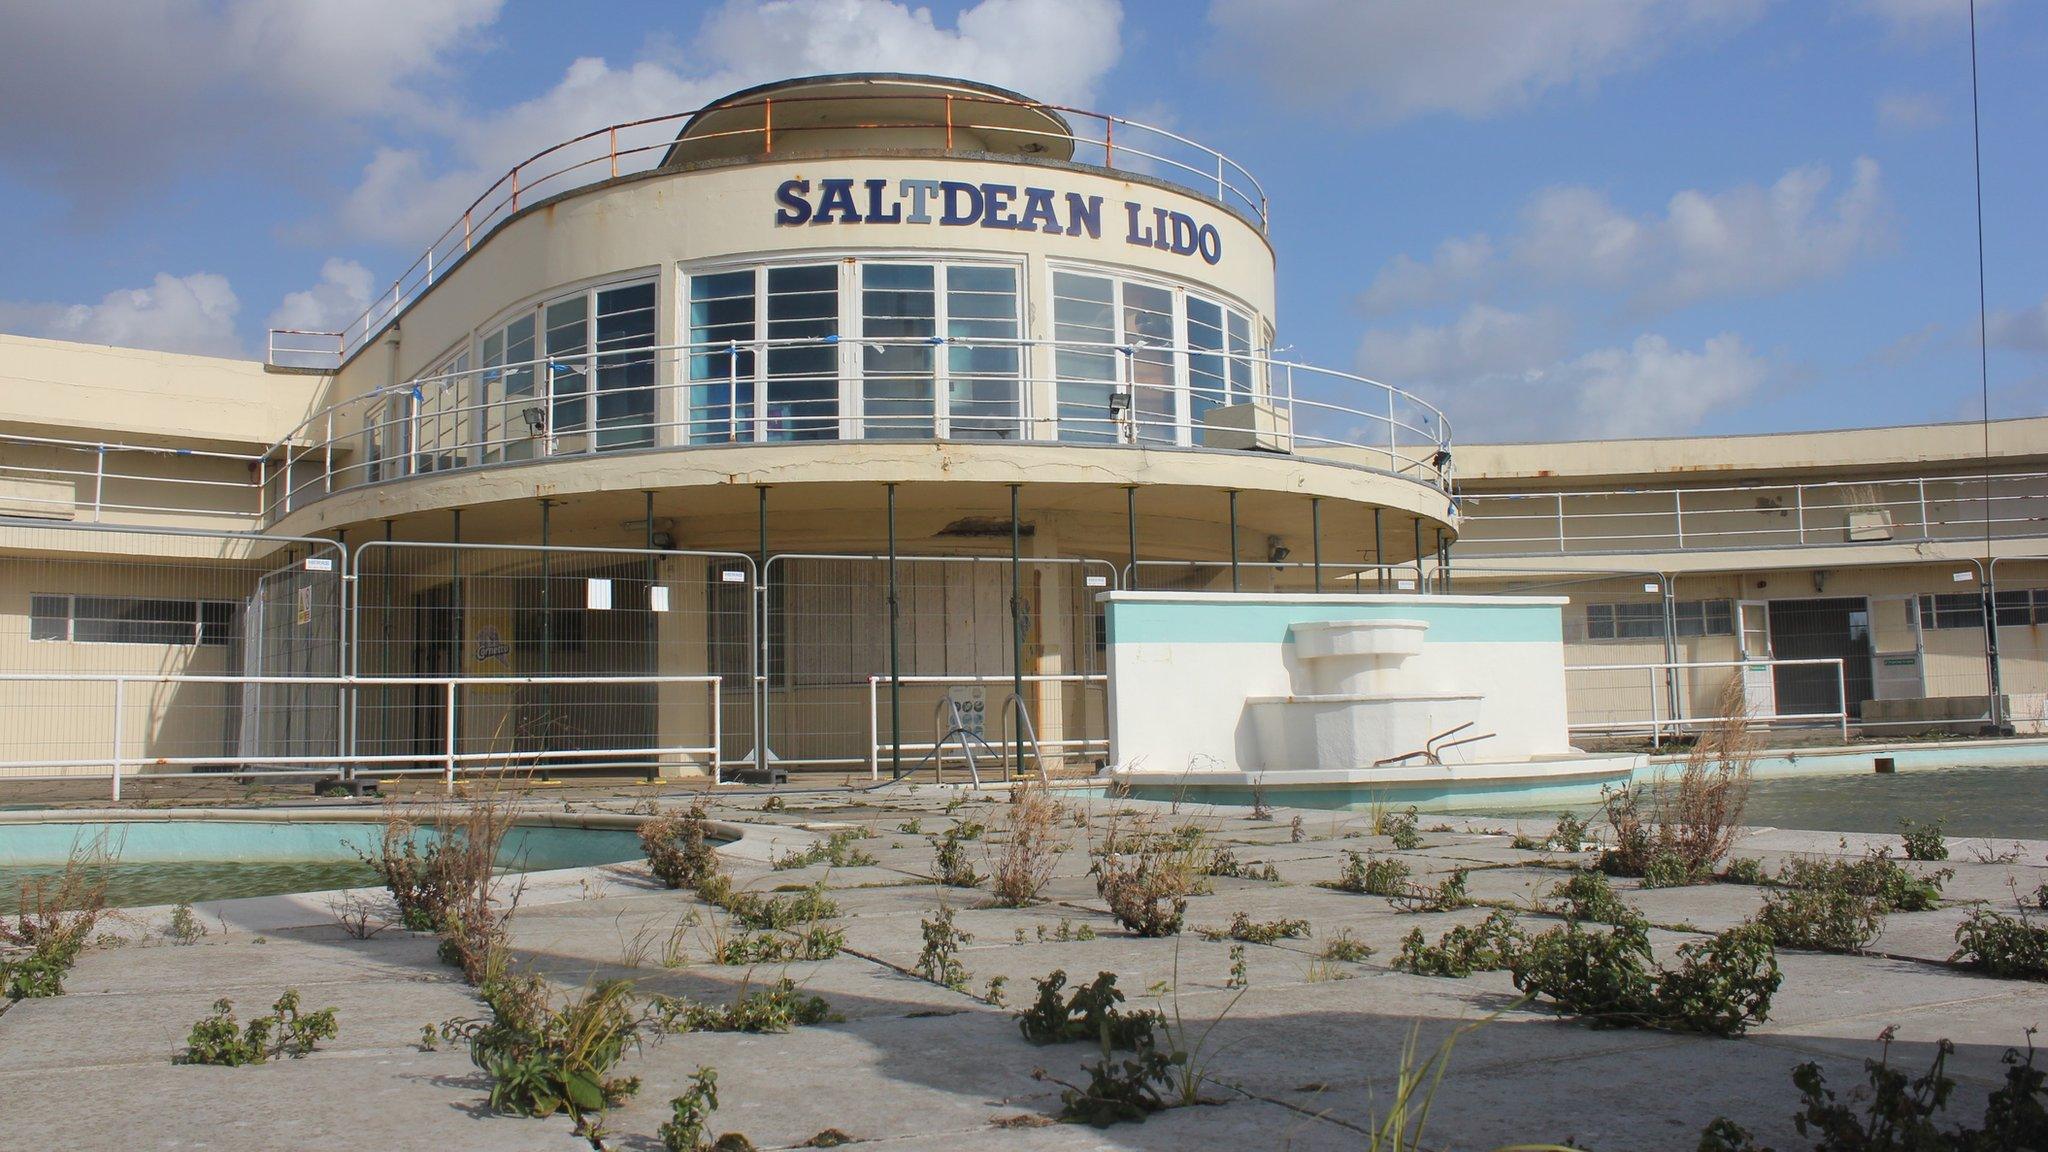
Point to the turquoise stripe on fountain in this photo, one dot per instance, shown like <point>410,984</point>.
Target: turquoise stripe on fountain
<point>532,848</point>
<point>1239,622</point>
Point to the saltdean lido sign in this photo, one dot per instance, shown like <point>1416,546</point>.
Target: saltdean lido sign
<point>959,204</point>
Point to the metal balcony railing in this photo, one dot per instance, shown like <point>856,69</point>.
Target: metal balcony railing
<point>1754,516</point>
<point>633,146</point>
<point>706,395</point>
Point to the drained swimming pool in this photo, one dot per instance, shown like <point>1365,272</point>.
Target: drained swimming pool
<point>165,861</point>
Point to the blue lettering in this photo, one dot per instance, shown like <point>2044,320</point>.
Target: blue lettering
<point>836,195</point>
<point>1084,213</point>
<point>998,198</point>
<point>1038,206</point>
<point>1183,234</point>
<point>795,209</point>
<point>875,216</point>
<point>1209,243</point>
<point>1159,239</point>
<point>957,212</point>
<point>1139,234</point>
<point>918,190</point>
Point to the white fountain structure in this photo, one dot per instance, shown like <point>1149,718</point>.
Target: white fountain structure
<point>1364,703</point>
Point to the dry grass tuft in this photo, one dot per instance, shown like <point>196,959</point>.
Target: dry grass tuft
<point>1023,857</point>
<point>1681,831</point>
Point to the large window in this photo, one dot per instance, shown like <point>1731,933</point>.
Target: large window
<point>933,351</point>
<point>443,400</point>
<point>1168,357</point>
<point>1645,620</point>
<point>130,620</point>
<point>1952,610</point>
<point>575,372</point>
<point>2022,607</point>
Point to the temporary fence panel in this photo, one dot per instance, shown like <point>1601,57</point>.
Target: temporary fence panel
<point>1290,576</point>
<point>827,631</point>
<point>85,603</point>
<point>507,612</point>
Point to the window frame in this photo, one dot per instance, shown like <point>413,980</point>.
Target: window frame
<point>223,638</point>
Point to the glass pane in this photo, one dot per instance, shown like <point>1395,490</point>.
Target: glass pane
<point>568,340</point>
<point>722,389</point>
<point>1240,349</point>
<point>1148,327</point>
<point>802,401</point>
<point>983,378</point>
<point>625,367</point>
<point>117,620</point>
<point>1084,312</point>
<point>49,618</point>
<point>1207,384</point>
<point>899,306</point>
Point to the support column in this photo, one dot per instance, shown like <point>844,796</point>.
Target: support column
<point>1131,519</point>
<point>757,678</point>
<point>1420,586</point>
<point>1315,536</point>
<point>1379,554</point>
<point>895,673</point>
<point>1235,585</point>
<point>1016,629</point>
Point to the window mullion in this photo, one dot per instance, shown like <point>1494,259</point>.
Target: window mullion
<point>942,374</point>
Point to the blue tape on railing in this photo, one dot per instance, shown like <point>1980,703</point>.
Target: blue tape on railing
<point>832,339</point>
<point>184,451</point>
<point>935,340</point>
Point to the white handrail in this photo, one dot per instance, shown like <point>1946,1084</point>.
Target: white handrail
<point>1656,725</point>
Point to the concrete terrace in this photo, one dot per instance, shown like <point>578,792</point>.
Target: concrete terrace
<point>1298,1062</point>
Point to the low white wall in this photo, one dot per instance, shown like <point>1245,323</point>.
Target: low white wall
<point>1182,664</point>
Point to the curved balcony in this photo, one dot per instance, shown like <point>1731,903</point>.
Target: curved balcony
<point>891,114</point>
<point>704,397</point>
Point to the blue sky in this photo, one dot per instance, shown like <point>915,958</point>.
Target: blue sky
<point>1555,218</point>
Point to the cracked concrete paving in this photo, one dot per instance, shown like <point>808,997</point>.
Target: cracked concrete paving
<point>1299,1060</point>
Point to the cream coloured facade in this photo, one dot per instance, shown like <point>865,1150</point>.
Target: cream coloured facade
<point>816,420</point>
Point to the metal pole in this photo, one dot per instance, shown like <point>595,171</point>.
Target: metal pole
<point>1665,583</point>
<point>1443,581</point>
<point>760,646</point>
<point>1017,626</point>
<point>448,752</point>
<point>547,629</point>
<point>119,684</point>
<point>1234,584</point>
<point>1379,556</point>
<point>1993,678</point>
<point>1315,535</point>
<point>1420,587</point>
<point>895,673</point>
<point>1131,520</point>
<point>461,607</point>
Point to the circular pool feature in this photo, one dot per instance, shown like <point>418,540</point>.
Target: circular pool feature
<point>182,860</point>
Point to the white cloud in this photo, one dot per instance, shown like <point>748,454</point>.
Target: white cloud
<point>1741,241</point>
<point>1056,50</point>
<point>1390,60</point>
<point>1484,342</point>
<point>193,313</point>
<point>340,297</point>
<point>1504,375</point>
<point>1459,264</point>
<point>2020,329</point>
<point>96,92</point>
<point>1909,111</point>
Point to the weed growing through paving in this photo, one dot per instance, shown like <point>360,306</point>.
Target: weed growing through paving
<point>779,1007</point>
<point>1402,830</point>
<point>1346,946</point>
<point>1067,930</point>
<point>1224,862</point>
<point>1673,833</point>
<point>543,1059</point>
<point>1243,928</point>
<point>939,962</point>
<point>1090,1012</point>
<point>995,992</point>
<point>1745,870</point>
<point>1587,895</point>
<point>1240,974</point>
<point>1569,834</point>
<point>447,888</point>
<point>678,847</point>
<point>1721,986</point>
<point>53,922</point>
<point>357,915</point>
<point>1297,830</point>
<point>1444,896</point>
<point>1821,919</point>
<point>840,850</point>
<point>184,927</point>
<point>1030,846</point>
<point>950,864</point>
<point>1875,875</point>
<point>1489,946</point>
<point>1898,1113</point>
<point>1923,841</point>
<point>1371,875</point>
<point>2012,947</point>
<point>683,1131</point>
<point>286,1031</point>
